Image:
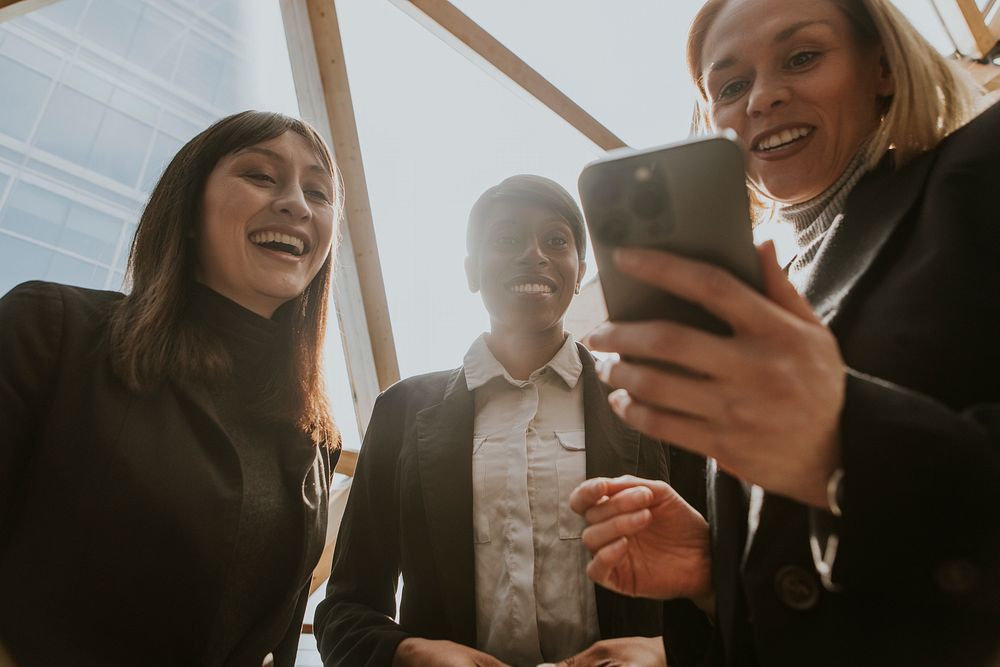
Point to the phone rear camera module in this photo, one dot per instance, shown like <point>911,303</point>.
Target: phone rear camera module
<point>613,229</point>
<point>648,200</point>
<point>606,190</point>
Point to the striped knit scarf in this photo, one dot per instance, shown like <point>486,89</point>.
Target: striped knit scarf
<point>811,220</point>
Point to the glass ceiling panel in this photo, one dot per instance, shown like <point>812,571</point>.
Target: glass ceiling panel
<point>98,96</point>
<point>435,132</point>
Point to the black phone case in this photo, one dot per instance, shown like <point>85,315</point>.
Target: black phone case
<point>689,198</point>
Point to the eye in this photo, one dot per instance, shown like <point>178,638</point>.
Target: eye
<point>260,177</point>
<point>732,89</point>
<point>802,58</point>
<point>319,196</point>
<point>504,241</point>
<point>557,241</point>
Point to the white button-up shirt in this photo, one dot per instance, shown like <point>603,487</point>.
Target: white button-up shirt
<point>534,602</point>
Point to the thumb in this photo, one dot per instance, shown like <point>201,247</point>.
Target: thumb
<point>777,286</point>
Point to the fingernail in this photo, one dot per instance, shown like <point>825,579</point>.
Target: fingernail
<point>618,400</point>
<point>639,518</point>
<point>603,368</point>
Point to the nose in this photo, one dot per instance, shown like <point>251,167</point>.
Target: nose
<point>533,254</point>
<point>767,94</point>
<point>291,202</point>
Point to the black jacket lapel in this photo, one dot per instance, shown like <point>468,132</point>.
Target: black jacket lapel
<point>874,209</point>
<point>612,448</point>
<point>444,446</point>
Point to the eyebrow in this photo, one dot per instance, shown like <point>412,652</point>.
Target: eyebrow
<point>781,36</point>
<point>514,221</point>
<point>276,156</point>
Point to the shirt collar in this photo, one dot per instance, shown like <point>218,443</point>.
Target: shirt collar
<point>481,366</point>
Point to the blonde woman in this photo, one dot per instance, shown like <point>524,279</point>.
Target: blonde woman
<point>852,422</point>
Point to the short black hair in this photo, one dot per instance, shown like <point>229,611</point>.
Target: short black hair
<point>530,189</point>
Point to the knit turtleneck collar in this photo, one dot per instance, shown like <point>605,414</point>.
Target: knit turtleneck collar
<point>244,333</point>
<point>811,220</point>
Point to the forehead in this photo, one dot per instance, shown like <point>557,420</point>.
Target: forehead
<point>289,148</point>
<point>746,25</point>
<point>511,212</point>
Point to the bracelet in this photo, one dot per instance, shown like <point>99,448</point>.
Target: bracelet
<point>835,492</point>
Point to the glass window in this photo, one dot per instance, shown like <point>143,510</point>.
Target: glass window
<point>69,125</point>
<point>111,24</point>
<point>91,234</point>
<point>34,212</point>
<point>21,261</point>
<point>180,128</point>
<point>157,41</point>
<point>164,148</point>
<point>135,106</point>
<point>88,83</point>
<point>119,149</point>
<point>23,51</point>
<point>200,66</point>
<point>121,261</point>
<point>64,13</point>
<point>73,271</point>
<point>19,111</point>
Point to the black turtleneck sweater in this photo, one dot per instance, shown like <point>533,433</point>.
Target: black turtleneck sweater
<point>175,527</point>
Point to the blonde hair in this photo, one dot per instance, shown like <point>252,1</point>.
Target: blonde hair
<point>933,97</point>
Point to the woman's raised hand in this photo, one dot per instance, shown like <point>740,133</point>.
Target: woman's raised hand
<point>764,402</point>
<point>645,539</point>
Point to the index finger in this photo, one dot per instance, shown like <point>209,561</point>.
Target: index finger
<point>598,489</point>
<point>714,289</point>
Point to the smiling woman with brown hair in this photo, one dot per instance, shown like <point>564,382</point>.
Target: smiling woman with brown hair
<point>166,454</point>
<point>850,425</point>
<point>464,478</point>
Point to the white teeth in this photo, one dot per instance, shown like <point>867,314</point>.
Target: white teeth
<point>261,238</point>
<point>780,139</point>
<point>531,288</point>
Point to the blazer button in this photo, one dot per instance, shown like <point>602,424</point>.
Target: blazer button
<point>796,587</point>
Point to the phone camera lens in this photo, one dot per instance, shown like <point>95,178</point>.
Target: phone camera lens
<point>648,200</point>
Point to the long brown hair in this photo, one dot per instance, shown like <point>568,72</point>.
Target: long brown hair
<point>153,339</point>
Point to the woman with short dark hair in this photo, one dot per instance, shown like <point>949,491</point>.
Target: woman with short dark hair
<point>463,482</point>
<point>167,453</point>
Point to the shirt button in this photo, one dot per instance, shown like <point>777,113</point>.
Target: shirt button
<point>796,587</point>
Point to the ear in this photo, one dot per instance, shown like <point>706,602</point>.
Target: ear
<point>886,85</point>
<point>579,275</point>
<point>472,274</point>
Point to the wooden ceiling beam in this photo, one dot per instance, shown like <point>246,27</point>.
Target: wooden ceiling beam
<point>11,8</point>
<point>461,32</point>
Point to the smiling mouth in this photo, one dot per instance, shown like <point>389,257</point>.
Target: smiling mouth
<point>782,139</point>
<point>530,288</point>
<point>279,242</point>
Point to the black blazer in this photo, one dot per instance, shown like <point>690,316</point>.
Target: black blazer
<point>410,512</point>
<point>120,512</point>
<point>910,285</point>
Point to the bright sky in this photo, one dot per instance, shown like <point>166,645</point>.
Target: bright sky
<point>436,131</point>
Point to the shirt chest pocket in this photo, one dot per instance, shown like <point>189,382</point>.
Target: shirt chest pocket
<point>571,471</point>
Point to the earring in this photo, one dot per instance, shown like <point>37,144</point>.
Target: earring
<point>576,290</point>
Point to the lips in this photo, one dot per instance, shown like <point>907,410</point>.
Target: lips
<point>287,241</point>
<point>532,285</point>
<point>781,138</point>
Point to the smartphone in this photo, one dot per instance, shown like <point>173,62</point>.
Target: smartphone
<point>689,198</point>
